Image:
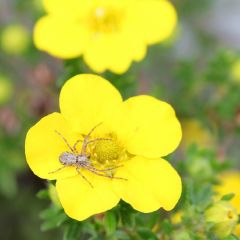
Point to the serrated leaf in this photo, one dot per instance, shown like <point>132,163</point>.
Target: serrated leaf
<point>72,231</point>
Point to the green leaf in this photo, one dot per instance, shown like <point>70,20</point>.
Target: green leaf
<point>72,232</point>
<point>49,212</point>
<point>147,234</point>
<point>43,194</point>
<point>228,197</point>
<point>110,221</point>
<point>167,227</point>
<point>54,222</point>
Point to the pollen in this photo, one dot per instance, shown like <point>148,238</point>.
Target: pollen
<point>107,151</point>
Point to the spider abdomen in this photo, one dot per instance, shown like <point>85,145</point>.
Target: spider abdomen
<point>69,159</point>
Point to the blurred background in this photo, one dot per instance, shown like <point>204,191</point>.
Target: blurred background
<point>197,71</point>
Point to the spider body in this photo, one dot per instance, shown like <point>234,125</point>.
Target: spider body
<point>72,159</point>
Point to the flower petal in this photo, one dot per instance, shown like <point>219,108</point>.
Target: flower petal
<point>67,8</point>
<point>151,128</point>
<point>61,37</point>
<point>114,52</point>
<point>43,147</point>
<point>151,184</point>
<point>81,201</point>
<point>87,100</point>
<point>153,20</point>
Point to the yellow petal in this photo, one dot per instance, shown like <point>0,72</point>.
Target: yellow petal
<point>67,8</point>
<point>60,37</point>
<point>87,100</point>
<point>153,20</point>
<point>151,128</point>
<point>81,201</point>
<point>151,184</point>
<point>43,147</point>
<point>114,52</point>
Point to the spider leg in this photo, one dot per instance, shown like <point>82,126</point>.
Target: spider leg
<point>79,172</point>
<point>76,143</point>
<point>65,140</point>
<point>98,139</point>
<point>93,170</point>
<point>85,143</point>
<point>91,131</point>
<point>84,146</point>
<point>57,169</point>
<point>105,169</point>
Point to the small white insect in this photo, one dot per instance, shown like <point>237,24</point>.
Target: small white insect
<point>82,159</point>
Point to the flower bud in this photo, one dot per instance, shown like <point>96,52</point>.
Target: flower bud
<point>223,217</point>
<point>15,39</point>
<point>200,167</point>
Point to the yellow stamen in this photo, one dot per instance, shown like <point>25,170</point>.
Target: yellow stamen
<point>107,151</point>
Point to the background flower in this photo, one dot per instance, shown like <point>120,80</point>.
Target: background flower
<point>108,34</point>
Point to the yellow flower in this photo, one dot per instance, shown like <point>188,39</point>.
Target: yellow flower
<point>230,183</point>
<point>134,136</point>
<point>108,34</point>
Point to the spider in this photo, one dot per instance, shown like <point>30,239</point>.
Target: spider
<point>82,159</point>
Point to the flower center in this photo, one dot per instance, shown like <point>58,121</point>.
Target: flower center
<point>105,20</point>
<point>107,153</point>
